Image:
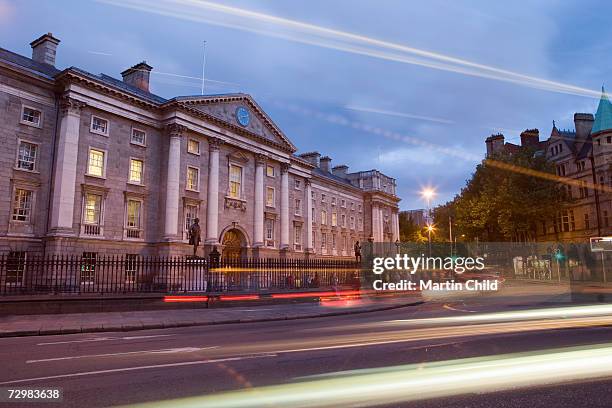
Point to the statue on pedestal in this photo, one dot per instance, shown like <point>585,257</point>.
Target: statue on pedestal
<point>195,233</point>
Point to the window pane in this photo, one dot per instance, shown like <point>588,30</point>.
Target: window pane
<point>138,136</point>
<point>192,178</point>
<point>133,214</point>
<point>96,163</point>
<point>136,171</point>
<point>99,125</point>
<point>31,115</point>
<point>92,209</point>
<point>191,212</point>
<point>27,156</point>
<point>270,197</point>
<point>193,146</point>
<point>22,205</point>
<point>235,181</point>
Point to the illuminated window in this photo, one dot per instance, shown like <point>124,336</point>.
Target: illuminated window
<point>95,166</point>
<point>193,178</point>
<point>134,208</point>
<point>193,146</point>
<point>26,159</point>
<point>22,205</point>
<point>323,217</point>
<point>269,232</point>
<point>298,206</point>
<point>334,219</point>
<point>136,168</point>
<point>297,239</point>
<point>270,171</point>
<point>269,196</point>
<point>235,181</point>
<point>92,209</point>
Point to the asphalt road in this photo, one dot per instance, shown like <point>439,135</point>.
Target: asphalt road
<point>108,369</point>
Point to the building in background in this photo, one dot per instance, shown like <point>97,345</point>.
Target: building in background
<point>419,217</point>
<point>96,165</point>
<point>585,155</point>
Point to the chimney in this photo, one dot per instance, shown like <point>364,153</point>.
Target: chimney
<point>530,138</point>
<point>44,49</point>
<point>340,171</point>
<point>495,144</point>
<point>311,157</point>
<point>583,123</point>
<point>138,76</point>
<point>325,164</point>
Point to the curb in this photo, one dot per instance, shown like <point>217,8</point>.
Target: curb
<point>126,328</point>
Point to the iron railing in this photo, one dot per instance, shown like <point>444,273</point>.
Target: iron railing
<point>92,273</point>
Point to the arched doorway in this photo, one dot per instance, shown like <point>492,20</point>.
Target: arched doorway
<point>233,244</point>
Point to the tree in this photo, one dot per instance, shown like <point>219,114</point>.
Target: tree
<point>505,200</point>
<point>409,230</point>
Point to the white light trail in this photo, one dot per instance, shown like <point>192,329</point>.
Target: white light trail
<point>399,114</point>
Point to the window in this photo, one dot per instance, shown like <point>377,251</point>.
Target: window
<point>15,267</point>
<point>343,220</point>
<point>312,215</point>
<point>138,137</point>
<point>323,197</point>
<point>193,146</point>
<point>360,224</point>
<point>88,267</point>
<point>343,203</point>
<point>134,210</point>
<point>193,178</point>
<point>352,206</point>
<point>344,243</point>
<point>334,220</point>
<point>31,116</point>
<point>323,217</point>
<point>270,171</point>
<point>334,242</point>
<point>323,241</point>
<point>359,208</point>
<point>92,210</point>
<point>191,213</point>
<point>587,224</point>
<point>22,205</point>
<point>96,165</point>
<point>352,223</point>
<point>269,196</point>
<point>565,221</point>
<point>313,242</point>
<point>298,206</point>
<point>333,201</point>
<point>313,195</point>
<point>606,219</point>
<point>99,126</point>
<point>269,232</point>
<point>609,139</point>
<point>136,169</point>
<point>297,237</point>
<point>131,261</point>
<point>297,184</point>
<point>26,158</point>
<point>235,181</point>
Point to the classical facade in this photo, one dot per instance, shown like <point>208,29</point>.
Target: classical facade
<point>584,156</point>
<point>95,165</point>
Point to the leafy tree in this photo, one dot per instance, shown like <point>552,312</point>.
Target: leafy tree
<point>409,230</point>
<point>506,199</point>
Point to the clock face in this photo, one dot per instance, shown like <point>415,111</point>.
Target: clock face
<point>242,116</point>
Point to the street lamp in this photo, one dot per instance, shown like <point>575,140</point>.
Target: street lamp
<point>430,229</point>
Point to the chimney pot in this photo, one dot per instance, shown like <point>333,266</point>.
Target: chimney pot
<point>340,170</point>
<point>44,49</point>
<point>138,76</point>
<point>311,157</point>
<point>325,164</point>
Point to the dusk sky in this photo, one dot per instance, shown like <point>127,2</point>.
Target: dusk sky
<point>367,103</point>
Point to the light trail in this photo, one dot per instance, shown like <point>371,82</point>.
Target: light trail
<point>414,382</point>
<point>399,114</point>
<point>298,31</point>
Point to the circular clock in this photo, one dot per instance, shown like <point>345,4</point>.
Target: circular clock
<point>242,116</point>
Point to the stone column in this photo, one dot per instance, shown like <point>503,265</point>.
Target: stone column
<point>212,204</point>
<point>308,199</point>
<point>375,223</point>
<point>260,165</point>
<point>284,243</point>
<point>381,224</point>
<point>64,184</point>
<point>175,132</point>
<point>396,226</point>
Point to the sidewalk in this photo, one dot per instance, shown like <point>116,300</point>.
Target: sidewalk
<point>49,324</point>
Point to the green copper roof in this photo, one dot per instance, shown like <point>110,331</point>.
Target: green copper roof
<point>603,117</point>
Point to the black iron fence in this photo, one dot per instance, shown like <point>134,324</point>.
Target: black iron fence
<point>135,274</point>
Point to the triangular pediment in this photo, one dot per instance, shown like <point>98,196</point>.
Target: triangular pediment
<point>239,112</point>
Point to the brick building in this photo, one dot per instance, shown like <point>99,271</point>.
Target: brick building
<point>93,164</point>
<point>584,155</point>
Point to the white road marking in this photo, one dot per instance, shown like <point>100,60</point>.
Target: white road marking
<point>105,339</point>
<point>162,351</point>
<point>118,370</point>
<point>446,306</point>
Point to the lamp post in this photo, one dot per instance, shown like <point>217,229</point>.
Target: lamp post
<point>427,193</point>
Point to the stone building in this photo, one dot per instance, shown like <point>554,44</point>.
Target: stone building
<point>95,165</point>
<point>583,155</point>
